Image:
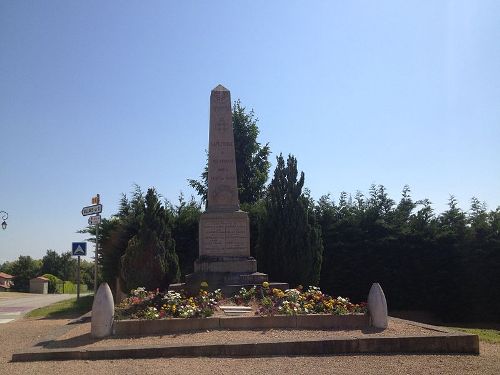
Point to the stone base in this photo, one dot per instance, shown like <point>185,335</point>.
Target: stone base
<point>228,282</point>
<point>229,290</point>
<point>228,274</point>
<point>225,264</point>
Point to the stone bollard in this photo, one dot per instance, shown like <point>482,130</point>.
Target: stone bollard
<point>103,311</point>
<point>377,306</point>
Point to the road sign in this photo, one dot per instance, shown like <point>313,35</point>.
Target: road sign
<point>96,199</point>
<point>91,210</point>
<point>94,220</point>
<point>79,248</point>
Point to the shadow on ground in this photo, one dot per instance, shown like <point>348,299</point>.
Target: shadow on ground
<point>73,342</point>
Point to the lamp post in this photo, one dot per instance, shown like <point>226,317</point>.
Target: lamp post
<point>4,216</point>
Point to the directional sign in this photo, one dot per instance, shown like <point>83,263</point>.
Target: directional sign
<point>94,220</point>
<point>91,210</point>
<point>79,248</point>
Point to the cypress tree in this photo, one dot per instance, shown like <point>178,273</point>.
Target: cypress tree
<point>185,218</point>
<point>150,260</point>
<point>290,246</point>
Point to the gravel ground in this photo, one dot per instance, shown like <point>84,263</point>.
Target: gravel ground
<point>80,336</point>
<point>26,333</point>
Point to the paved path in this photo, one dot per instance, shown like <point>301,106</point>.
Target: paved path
<point>15,306</point>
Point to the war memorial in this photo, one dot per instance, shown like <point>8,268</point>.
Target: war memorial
<point>224,260</point>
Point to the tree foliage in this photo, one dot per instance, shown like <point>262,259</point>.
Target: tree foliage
<point>63,266</point>
<point>289,247</point>
<point>446,264</point>
<point>184,218</point>
<point>24,269</point>
<point>137,237</point>
<point>252,165</point>
<point>150,260</point>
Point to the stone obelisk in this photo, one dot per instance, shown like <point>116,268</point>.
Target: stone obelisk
<point>224,259</point>
<point>222,184</point>
<point>224,231</point>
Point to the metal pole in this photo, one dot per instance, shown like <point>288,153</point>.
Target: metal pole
<point>96,256</point>
<point>78,280</point>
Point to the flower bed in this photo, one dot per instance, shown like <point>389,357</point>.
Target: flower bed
<point>266,301</point>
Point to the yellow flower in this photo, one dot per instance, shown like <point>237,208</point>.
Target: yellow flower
<point>265,284</point>
<point>278,293</point>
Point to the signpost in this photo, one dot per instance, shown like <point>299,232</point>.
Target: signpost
<point>91,210</point>
<point>78,249</point>
<point>94,220</point>
<point>95,209</point>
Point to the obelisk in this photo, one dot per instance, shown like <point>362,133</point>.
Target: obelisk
<point>224,230</point>
<point>222,184</point>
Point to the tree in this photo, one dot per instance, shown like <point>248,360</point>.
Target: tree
<point>69,267</point>
<point>63,266</point>
<point>51,263</point>
<point>289,246</point>
<point>184,218</point>
<point>87,273</point>
<point>115,233</point>
<point>24,269</point>
<point>252,165</point>
<point>6,267</point>
<point>150,260</point>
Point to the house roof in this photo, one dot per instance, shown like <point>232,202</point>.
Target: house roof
<point>40,278</point>
<point>5,276</point>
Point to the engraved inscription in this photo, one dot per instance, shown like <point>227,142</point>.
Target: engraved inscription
<point>222,237</point>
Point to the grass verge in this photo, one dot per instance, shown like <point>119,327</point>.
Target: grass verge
<point>487,335</point>
<point>65,309</point>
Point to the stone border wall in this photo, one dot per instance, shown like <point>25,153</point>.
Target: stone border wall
<point>175,325</point>
<point>449,344</point>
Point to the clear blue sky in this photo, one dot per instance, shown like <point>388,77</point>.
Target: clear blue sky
<point>96,96</point>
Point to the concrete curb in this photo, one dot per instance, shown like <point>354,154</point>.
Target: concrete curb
<point>175,325</point>
<point>446,343</point>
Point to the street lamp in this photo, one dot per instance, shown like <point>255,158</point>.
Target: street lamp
<point>5,215</point>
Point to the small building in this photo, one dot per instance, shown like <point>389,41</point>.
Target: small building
<point>5,282</point>
<point>39,285</point>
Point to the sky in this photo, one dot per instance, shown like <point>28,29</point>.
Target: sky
<point>98,96</point>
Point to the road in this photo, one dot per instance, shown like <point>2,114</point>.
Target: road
<point>14,305</point>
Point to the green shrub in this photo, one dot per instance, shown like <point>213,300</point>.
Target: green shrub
<point>53,282</point>
<point>67,287</point>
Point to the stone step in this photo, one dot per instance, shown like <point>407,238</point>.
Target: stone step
<point>233,313</point>
<point>242,308</point>
<point>236,310</point>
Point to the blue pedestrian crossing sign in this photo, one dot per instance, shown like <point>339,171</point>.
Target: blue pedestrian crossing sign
<point>79,248</point>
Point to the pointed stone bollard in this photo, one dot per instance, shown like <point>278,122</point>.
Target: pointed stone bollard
<point>103,311</point>
<point>377,306</point>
